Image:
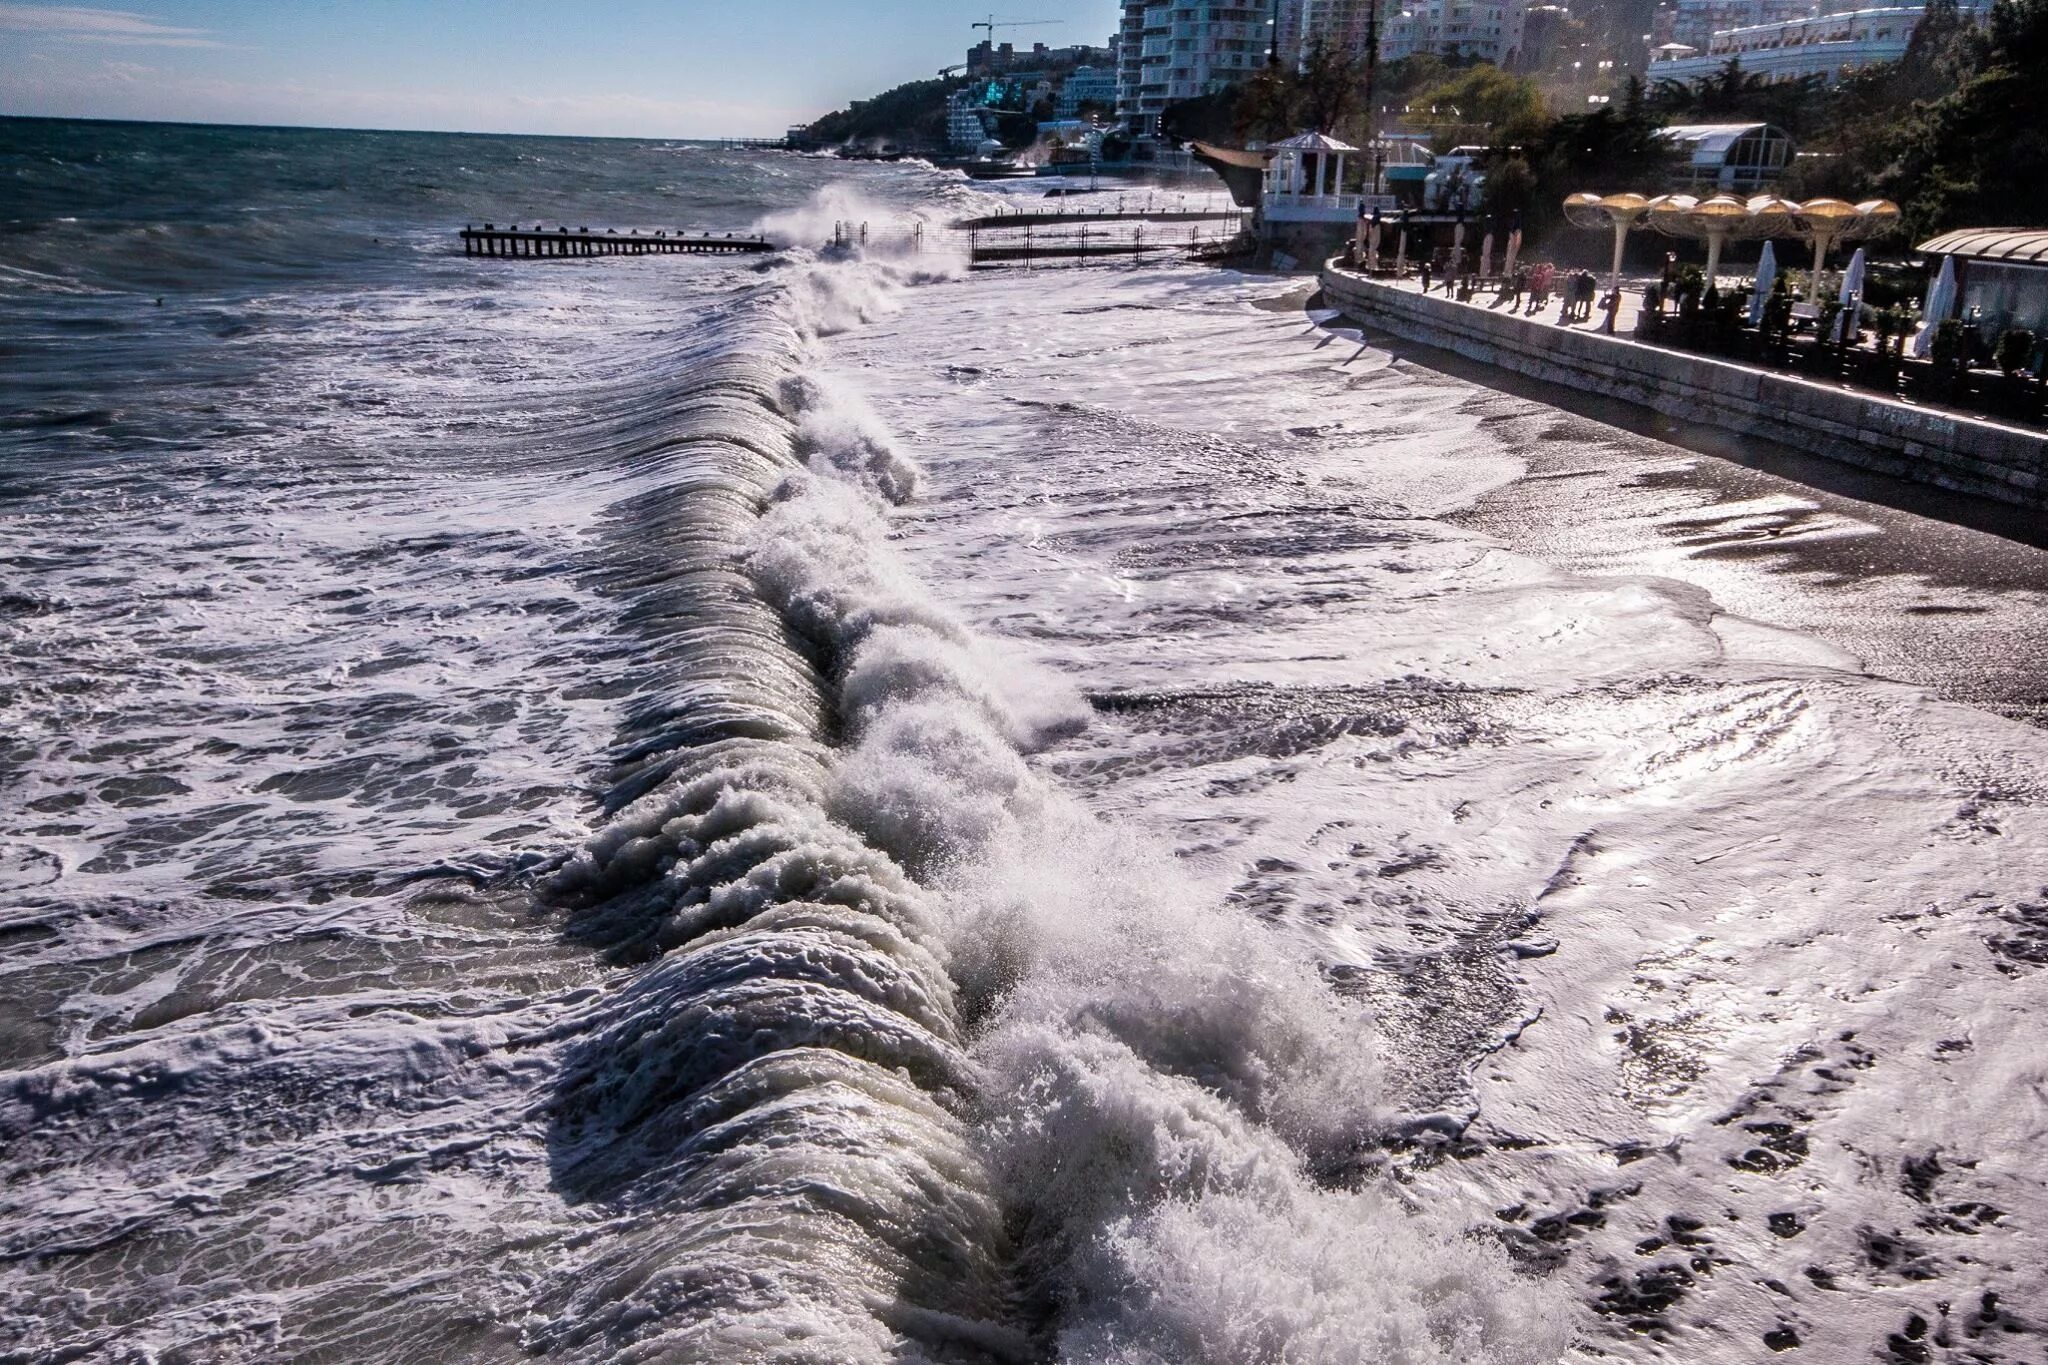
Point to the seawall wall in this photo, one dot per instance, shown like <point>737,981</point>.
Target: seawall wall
<point>1966,454</point>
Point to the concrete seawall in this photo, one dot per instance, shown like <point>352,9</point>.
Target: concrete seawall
<point>1966,454</point>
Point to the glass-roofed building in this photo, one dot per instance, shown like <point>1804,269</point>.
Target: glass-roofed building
<point>1728,156</point>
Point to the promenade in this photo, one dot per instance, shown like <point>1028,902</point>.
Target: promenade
<point>1489,301</point>
<point>1962,452</point>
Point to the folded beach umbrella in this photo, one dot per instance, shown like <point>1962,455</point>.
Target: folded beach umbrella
<point>1851,297</point>
<point>1507,266</point>
<point>1766,276</point>
<point>1486,256</point>
<point>1940,302</point>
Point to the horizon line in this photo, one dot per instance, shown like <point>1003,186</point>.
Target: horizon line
<point>414,132</point>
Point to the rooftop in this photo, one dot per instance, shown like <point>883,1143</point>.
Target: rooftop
<point>2025,245</point>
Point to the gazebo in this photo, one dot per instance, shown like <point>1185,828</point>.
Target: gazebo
<point>1290,174</point>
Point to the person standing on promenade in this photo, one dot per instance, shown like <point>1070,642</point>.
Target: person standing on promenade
<point>1425,274</point>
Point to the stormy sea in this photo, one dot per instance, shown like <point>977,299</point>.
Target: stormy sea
<point>838,807</point>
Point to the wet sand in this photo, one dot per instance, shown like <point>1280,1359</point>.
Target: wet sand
<point>1933,588</point>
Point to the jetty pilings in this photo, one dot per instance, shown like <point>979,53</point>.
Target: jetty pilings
<point>491,240</point>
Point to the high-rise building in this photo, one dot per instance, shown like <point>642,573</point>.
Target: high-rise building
<point>1172,50</point>
<point>1490,30</point>
<point>1487,29</point>
<point>1340,24</point>
<point>1086,85</point>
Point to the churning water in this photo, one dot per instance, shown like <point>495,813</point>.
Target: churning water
<point>829,810</point>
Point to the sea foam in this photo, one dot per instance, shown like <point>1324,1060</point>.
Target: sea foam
<point>978,1076</point>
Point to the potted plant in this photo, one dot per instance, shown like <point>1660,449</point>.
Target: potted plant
<point>1951,356</point>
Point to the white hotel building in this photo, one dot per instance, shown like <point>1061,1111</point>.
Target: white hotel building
<point>1814,44</point>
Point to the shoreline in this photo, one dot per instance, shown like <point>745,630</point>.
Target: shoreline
<point>1933,588</point>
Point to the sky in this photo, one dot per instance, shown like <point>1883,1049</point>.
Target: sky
<point>626,68</point>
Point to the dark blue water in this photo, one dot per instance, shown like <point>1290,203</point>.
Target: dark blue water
<point>501,858</point>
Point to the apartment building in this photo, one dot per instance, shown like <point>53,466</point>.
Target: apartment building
<point>1086,85</point>
<point>1340,24</point>
<point>1490,30</point>
<point>1172,50</point>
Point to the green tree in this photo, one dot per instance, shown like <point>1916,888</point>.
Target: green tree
<point>1319,97</point>
<point>1509,108</point>
<point>1731,95</point>
<point>1978,155</point>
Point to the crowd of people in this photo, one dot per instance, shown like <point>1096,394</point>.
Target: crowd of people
<point>1527,289</point>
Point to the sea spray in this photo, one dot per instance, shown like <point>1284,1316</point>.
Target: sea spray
<point>1152,1066</point>
<point>923,1061</point>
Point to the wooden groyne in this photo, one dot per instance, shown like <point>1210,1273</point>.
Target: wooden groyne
<point>490,240</point>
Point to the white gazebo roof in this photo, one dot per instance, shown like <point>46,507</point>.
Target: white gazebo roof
<point>2023,245</point>
<point>1312,142</point>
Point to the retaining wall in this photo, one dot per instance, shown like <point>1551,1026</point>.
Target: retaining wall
<point>1966,454</point>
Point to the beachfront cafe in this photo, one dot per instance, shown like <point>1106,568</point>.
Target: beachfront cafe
<point>1995,280</point>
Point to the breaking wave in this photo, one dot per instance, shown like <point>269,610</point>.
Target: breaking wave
<point>911,1057</point>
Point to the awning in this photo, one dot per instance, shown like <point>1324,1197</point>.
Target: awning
<point>2018,245</point>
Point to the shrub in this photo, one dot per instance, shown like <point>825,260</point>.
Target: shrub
<point>2015,349</point>
<point>1950,344</point>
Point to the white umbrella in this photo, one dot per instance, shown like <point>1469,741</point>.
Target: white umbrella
<point>1486,256</point>
<point>1766,276</point>
<point>1401,255</point>
<point>1851,296</point>
<point>1507,265</point>
<point>1372,245</point>
<point>1941,301</point>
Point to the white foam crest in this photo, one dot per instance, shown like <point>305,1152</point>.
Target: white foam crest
<point>851,257</point>
<point>836,426</point>
<point>820,556</point>
<point>1157,1074</point>
<point>1304,1276</point>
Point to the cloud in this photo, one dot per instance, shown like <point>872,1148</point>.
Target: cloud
<point>80,24</point>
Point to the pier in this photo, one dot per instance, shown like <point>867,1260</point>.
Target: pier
<point>490,240</point>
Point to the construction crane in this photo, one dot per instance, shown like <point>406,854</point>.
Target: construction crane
<point>992,24</point>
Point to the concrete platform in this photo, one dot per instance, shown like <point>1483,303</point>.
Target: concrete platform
<point>1950,450</point>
